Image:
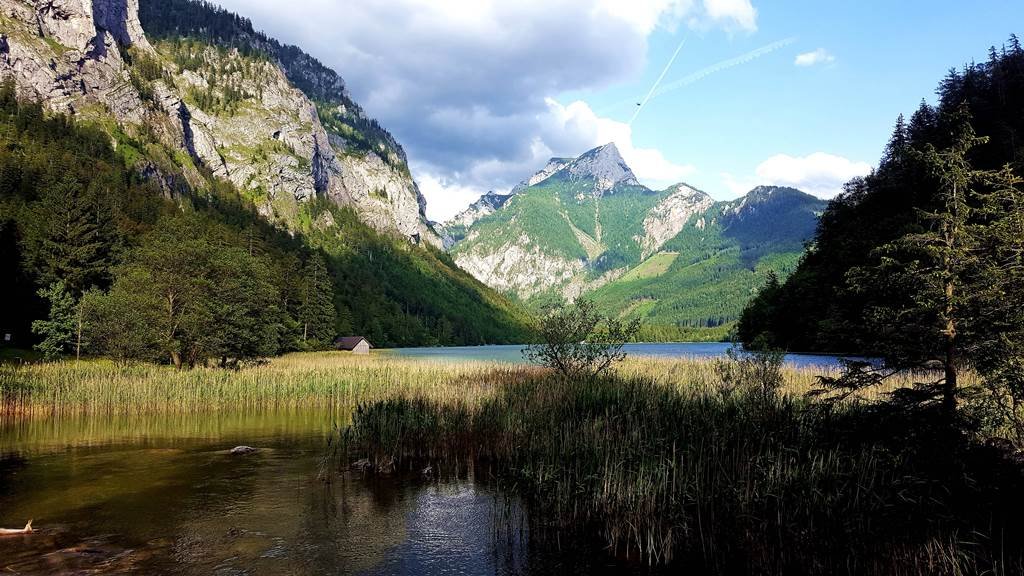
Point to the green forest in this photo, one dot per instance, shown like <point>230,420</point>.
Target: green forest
<point>101,260</point>
<point>921,263</point>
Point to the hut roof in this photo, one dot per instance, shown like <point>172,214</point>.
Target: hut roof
<point>349,342</point>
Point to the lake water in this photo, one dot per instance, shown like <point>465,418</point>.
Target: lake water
<point>160,495</point>
<point>514,353</point>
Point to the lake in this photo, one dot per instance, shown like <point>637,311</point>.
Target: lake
<point>514,353</point>
<point>161,494</point>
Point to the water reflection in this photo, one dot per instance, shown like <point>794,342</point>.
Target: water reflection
<point>162,495</point>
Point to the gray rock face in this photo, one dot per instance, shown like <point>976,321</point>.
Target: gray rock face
<point>67,53</point>
<point>121,19</point>
<point>605,166</point>
<point>552,167</point>
<point>484,206</point>
<point>667,219</point>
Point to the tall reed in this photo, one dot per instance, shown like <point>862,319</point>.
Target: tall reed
<point>740,483</point>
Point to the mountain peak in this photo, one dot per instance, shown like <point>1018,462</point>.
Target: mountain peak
<point>553,166</point>
<point>684,189</point>
<point>605,165</point>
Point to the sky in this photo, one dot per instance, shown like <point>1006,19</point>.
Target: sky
<point>482,92</point>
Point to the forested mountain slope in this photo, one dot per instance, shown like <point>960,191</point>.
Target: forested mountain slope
<point>675,257</point>
<point>209,130</point>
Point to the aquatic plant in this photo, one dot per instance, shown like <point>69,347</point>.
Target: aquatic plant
<point>750,482</point>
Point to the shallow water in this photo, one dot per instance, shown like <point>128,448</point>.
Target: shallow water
<point>162,495</point>
<point>514,353</point>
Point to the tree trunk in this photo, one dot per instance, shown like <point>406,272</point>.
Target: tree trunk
<point>949,387</point>
<point>78,340</point>
<point>176,358</point>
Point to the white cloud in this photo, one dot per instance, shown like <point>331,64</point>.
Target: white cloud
<point>819,56</point>
<point>819,173</point>
<point>562,130</point>
<point>465,85</point>
<point>447,198</point>
<point>739,13</point>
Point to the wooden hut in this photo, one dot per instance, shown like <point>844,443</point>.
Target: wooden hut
<point>353,344</point>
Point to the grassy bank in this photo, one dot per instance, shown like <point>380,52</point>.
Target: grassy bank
<point>327,379</point>
<point>664,461</point>
<point>320,379</point>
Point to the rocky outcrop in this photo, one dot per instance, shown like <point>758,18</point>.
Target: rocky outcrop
<point>519,266</point>
<point>552,167</point>
<point>270,141</point>
<point>666,220</point>
<point>484,206</point>
<point>605,166</point>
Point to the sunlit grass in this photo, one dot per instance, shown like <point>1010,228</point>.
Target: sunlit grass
<point>297,380</point>
<point>314,379</point>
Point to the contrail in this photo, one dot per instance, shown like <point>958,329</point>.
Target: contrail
<point>704,73</point>
<point>658,81</point>
<point>723,65</point>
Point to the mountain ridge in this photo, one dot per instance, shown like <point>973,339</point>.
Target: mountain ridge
<point>589,227</point>
<point>218,96</point>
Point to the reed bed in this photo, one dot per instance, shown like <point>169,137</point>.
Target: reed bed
<point>305,380</point>
<point>301,380</point>
<point>679,474</point>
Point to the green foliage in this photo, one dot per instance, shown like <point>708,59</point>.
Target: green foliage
<point>817,309</point>
<point>579,342</point>
<point>122,324</point>
<point>58,330</point>
<point>395,294</point>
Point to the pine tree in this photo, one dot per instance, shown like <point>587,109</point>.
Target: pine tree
<point>316,312</point>
<point>928,289</point>
<point>70,237</point>
<point>58,332</point>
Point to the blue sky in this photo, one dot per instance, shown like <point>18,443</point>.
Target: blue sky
<point>885,57</point>
<point>482,92</point>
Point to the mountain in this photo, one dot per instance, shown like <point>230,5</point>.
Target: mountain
<point>220,96</point>
<point>199,109</point>
<point>676,257</point>
<point>454,230</point>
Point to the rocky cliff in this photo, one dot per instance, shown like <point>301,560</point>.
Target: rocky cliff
<point>268,118</point>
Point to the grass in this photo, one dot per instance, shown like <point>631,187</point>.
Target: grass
<point>327,379</point>
<point>652,267</point>
<point>668,466</point>
<point>302,380</point>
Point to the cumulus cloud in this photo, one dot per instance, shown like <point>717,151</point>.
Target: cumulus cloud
<point>739,13</point>
<point>820,174</point>
<point>819,56</point>
<point>465,85</point>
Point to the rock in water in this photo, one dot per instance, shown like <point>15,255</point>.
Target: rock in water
<point>243,450</point>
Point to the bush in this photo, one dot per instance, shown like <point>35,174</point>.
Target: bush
<point>579,342</point>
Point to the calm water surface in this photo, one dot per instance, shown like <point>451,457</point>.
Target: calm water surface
<point>514,353</point>
<point>161,495</point>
